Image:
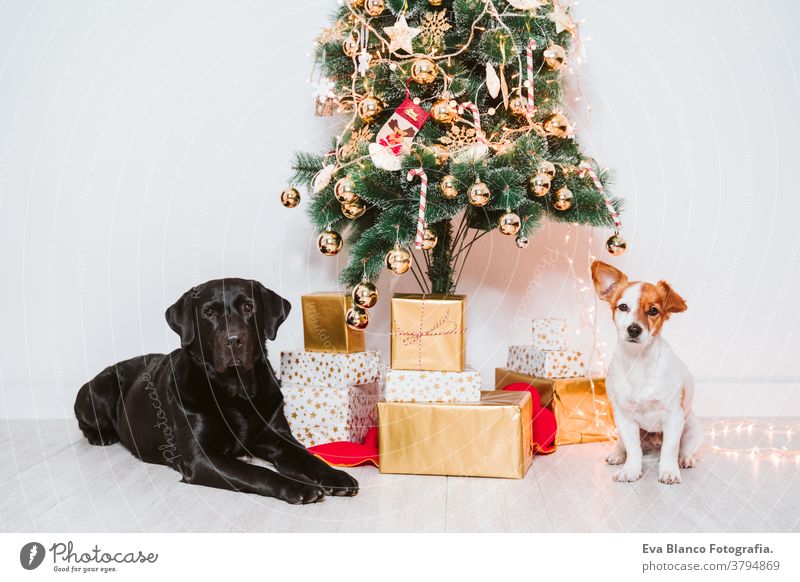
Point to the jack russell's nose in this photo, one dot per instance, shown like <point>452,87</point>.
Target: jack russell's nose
<point>634,330</point>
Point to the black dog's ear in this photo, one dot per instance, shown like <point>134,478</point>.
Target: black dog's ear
<point>274,309</point>
<point>180,317</point>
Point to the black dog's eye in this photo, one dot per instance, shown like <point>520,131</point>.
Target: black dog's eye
<point>208,312</point>
<point>652,312</point>
<point>622,307</point>
<point>247,308</point>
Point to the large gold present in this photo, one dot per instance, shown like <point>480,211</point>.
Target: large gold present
<point>490,438</point>
<point>428,332</point>
<point>581,405</point>
<point>324,327</point>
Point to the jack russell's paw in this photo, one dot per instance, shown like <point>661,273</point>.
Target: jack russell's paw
<point>616,458</point>
<point>687,462</point>
<point>628,474</point>
<point>669,476</point>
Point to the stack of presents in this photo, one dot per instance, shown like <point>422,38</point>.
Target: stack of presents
<point>431,415</point>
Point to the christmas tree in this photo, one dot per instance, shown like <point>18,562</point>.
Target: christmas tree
<point>461,95</point>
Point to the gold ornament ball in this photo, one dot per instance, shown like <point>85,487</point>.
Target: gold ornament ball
<point>555,56</point>
<point>429,239</point>
<point>448,186</point>
<point>344,190</point>
<point>435,3</point>
<point>369,107</point>
<point>357,318</point>
<point>399,260</point>
<point>441,153</point>
<point>329,243</point>
<point>290,197</point>
<point>556,125</point>
<point>442,111</point>
<point>478,194</point>
<point>374,7</point>
<point>521,241</point>
<point>354,208</point>
<point>509,224</point>
<point>365,294</point>
<point>518,106</point>
<point>350,46</point>
<point>562,199</point>
<point>616,245</point>
<point>356,3</point>
<point>548,168</point>
<point>539,185</point>
<point>424,70</point>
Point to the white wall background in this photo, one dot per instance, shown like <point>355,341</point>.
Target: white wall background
<point>143,146</point>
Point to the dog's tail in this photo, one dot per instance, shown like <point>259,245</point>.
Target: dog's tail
<point>95,408</point>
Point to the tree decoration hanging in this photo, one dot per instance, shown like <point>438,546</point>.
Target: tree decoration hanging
<point>501,152</point>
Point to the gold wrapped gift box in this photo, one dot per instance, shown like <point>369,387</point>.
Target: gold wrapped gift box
<point>581,415</point>
<point>490,438</point>
<point>324,327</point>
<point>428,332</point>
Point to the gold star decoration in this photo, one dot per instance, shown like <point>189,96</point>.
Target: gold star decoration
<point>432,29</point>
<point>400,36</point>
<point>562,20</point>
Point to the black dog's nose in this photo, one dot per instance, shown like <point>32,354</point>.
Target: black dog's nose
<point>634,330</point>
<point>234,341</point>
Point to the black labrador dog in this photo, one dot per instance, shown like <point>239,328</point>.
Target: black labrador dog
<point>216,399</point>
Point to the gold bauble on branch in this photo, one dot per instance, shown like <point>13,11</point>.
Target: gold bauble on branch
<point>441,153</point>
<point>616,245</point>
<point>548,168</point>
<point>344,190</point>
<point>448,186</point>
<point>518,106</point>
<point>443,111</point>
<point>562,199</point>
<point>365,294</point>
<point>509,223</point>
<point>556,125</point>
<point>424,70</point>
<point>350,46</point>
<point>290,197</point>
<point>435,3</point>
<point>539,184</point>
<point>555,56</point>
<point>521,241</point>
<point>329,243</point>
<point>354,209</point>
<point>399,259</point>
<point>357,318</point>
<point>374,7</point>
<point>369,107</point>
<point>429,239</point>
<point>478,194</point>
<point>356,3</point>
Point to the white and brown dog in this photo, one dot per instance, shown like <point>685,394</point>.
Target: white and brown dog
<point>649,387</point>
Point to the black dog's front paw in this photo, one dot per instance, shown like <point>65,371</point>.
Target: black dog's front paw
<point>301,493</point>
<point>336,482</point>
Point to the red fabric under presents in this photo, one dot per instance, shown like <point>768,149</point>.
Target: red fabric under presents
<point>347,454</point>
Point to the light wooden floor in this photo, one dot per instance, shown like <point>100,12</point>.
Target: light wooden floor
<point>53,480</point>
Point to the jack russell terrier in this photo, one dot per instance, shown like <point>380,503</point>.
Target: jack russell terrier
<point>649,387</point>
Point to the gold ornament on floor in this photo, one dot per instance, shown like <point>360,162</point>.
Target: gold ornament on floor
<point>369,107</point>
<point>344,190</point>
<point>329,243</point>
<point>357,318</point>
<point>424,71</point>
<point>399,259</point>
<point>562,199</point>
<point>429,239</point>
<point>443,111</point>
<point>616,245</point>
<point>441,153</point>
<point>350,46</point>
<point>556,125</point>
<point>554,57</point>
<point>448,186</point>
<point>518,106</point>
<point>539,185</point>
<point>478,194</point>
<point>521,241</point>
<point>509,224</point>
<point>354,209</point>
<point>548,168</point>
<point>365,294</point>
<point>290,197</point>
<point>374,7</point>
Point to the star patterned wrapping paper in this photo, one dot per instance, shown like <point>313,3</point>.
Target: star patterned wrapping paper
<point>424,386</point>
<point>546,363</point>
<point>304,368</point>
<point>549,334</point>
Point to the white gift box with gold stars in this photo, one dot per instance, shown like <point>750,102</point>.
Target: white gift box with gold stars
<point>425,386</point>
<point>550,364</point>
<point>549,334</point>
<point>323,414</point>
<point>302,368</point>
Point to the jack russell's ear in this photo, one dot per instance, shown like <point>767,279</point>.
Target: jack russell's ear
<point>673,303</point>
<point>607,280</point>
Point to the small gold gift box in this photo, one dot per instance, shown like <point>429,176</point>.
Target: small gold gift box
<point>428,332</point>
<point>490,438</point>
<point>324,327</point>
<point>581,405</point>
